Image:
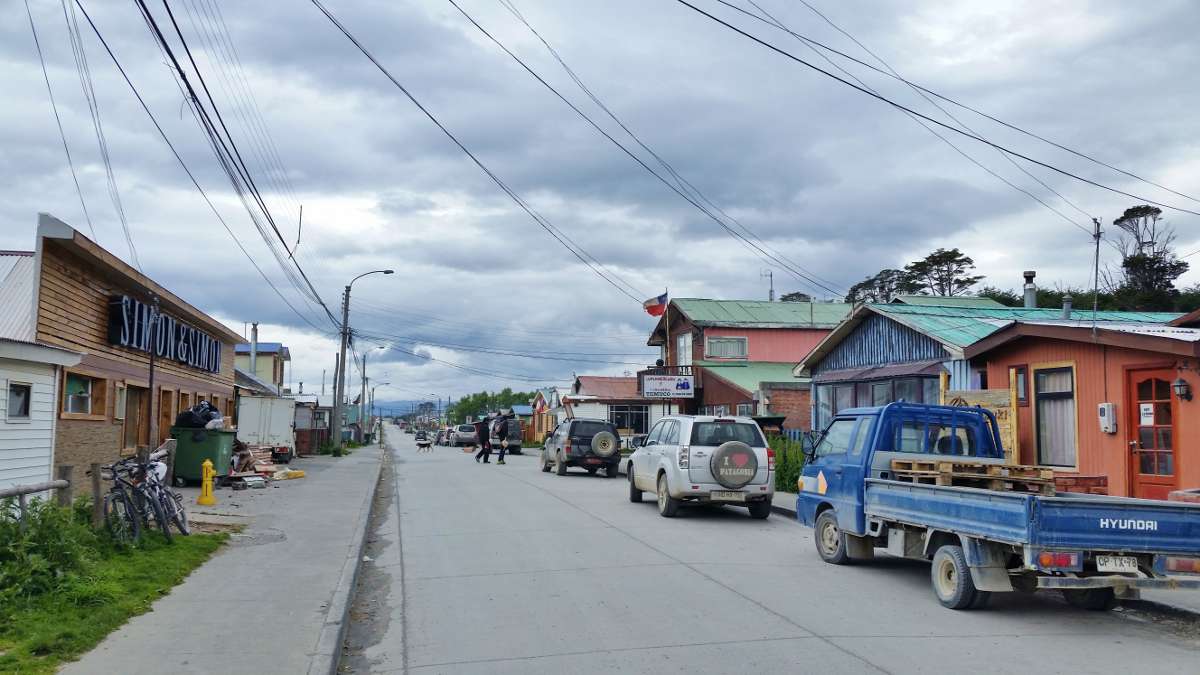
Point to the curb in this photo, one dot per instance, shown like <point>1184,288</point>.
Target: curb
<point>333,631</point>
<point>783,511</point>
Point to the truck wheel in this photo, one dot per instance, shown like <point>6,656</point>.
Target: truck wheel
<point>951,577</point>
<point>635,495</point>
<point>668,506</point>
<point>760,510</point>
<point>560,467</point>
<point>545,464</point>
<point>1095,599</point>
<point>831,543</point>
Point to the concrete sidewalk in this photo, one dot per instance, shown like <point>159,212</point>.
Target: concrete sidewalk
<point>271,601</point>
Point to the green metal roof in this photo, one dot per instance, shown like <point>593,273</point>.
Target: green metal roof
<point>957,301</point>
<point>962,326</point>
<point>763,314</point>
<point>750,374</point>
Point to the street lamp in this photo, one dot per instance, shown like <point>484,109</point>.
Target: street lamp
<point>340,389</point>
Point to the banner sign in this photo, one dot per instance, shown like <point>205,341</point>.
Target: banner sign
<point>129,326</point>
<point>668,386</point>
<point>1000,403</point>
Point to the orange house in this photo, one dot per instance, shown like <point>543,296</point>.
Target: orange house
<point>1115,401</point>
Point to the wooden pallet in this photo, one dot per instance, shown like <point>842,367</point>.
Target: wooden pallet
<point>927,472</point>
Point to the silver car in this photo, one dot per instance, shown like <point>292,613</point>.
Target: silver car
<point>701,458</point>
<point>463,434</point>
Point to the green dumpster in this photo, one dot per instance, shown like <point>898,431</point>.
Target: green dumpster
<point>193,446</point>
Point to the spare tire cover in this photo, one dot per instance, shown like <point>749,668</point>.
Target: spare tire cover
<point>605,444</point>
<point>734,464</point>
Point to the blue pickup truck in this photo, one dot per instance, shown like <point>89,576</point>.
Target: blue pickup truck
<point>1093,548</point>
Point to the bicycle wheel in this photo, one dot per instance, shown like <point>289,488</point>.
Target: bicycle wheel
<point>160,515</point>
<point>120,518</point>
<point>173,503</point>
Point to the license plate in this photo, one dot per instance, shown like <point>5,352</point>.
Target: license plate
<point>1117,563</point>
<point>727,496</point>
<point>592,460</point>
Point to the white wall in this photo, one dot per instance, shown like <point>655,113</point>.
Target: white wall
<point>600,411</point>
<point>26,446</point>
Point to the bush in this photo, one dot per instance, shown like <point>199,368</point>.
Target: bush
<point>52,550</point>
<point>326,448</point>
<point>789,460</point>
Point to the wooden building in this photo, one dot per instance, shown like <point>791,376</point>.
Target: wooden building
<point>1115,401</point>
<point>89,301</point>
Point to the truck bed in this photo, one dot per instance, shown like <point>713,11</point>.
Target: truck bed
<point>1066,521</point>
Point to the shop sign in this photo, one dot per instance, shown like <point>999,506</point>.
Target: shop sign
<point>129,326</point>
<point>668,386</point>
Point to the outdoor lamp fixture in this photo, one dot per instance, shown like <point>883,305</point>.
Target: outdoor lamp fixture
<point>1182,389</point>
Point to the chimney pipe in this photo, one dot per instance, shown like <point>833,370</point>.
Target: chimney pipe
<point>254,349</point>
<point>1067,303</point>
<point>1030,290</point>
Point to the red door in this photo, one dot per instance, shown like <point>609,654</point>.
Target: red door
<point>1152,434</point>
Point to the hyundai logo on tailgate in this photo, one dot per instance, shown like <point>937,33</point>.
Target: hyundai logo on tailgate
<point>1128,524</point>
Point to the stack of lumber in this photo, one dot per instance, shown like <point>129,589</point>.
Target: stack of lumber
<point>969,473</point>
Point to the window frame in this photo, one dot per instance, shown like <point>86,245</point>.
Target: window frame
<point>683,353</point>
<point>749,410</point>
<point>1061,366</point>
<point>98,396</point>
<point>1018,375</point>
<point>744,341</point>
<point>28,417</point>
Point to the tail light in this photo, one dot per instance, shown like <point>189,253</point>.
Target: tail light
<point>684,456</point>
<point>1184,565</point>
<point>567,447</point>
<point>1060,561</point>
<point>770,459</point>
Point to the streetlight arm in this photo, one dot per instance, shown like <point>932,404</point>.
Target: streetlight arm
<point>366,273</point>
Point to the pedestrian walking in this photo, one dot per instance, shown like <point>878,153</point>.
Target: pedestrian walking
<point>484,441</point>
<point>502,436</point>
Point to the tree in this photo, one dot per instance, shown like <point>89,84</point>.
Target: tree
<point>943,273</point>
<point>795,296</point>
<point>483,402</point>
<point>882,287</point>
<point>1149,266</point>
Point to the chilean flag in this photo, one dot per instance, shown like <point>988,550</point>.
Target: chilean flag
<point>656,306</point>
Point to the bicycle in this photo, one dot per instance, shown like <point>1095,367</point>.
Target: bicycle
<point>123,515</point>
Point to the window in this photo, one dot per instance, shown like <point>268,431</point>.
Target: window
<point>881,393</point>
<point>636,418</point>
<point>19,395</point>
<point>864,433</point>
<point>745,409</point>
<point>931,390</point>
<point>671,433</point>
<point>683,349</point>
<point>836,440</point>
<point>1054,397</point>
<point>950,440</point>
<point>1019,376</point>
<point>83,396</point>
<point>843,397</point>
<point>657,432</point>
<point>119,407</point>
<point>716,433</point>
<point>908,389</point>
<point>726,348</point>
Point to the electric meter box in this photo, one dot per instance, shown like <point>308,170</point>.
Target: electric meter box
<point>1108,418</point>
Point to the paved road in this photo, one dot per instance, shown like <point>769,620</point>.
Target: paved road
<point>504,569</point>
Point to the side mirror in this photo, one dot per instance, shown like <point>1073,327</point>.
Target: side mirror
<point>636,442</point>
<point>809,443</point>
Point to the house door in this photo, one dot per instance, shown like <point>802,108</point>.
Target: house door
<point>1152,434</point>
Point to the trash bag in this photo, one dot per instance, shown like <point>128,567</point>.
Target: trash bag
<point>198,416</point>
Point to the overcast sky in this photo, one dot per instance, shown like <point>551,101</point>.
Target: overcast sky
<point>838,183</point>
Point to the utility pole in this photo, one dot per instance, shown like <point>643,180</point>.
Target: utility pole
<point>1096,279</point>
<point>339,389</point>
<point>769,274</point>
<point>154,403</point>
<point>362,398</point>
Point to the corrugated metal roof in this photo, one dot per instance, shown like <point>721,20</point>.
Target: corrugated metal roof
<point>759,313</point>
<point>16,296</point>
<point>1148,329</point>
<point>608,387</point>
<point>750,374</point>
<point>961,326</point>
<point>957,301</point>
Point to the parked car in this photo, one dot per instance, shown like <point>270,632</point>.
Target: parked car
<point>986,538</point>
<point>464,434</point>
<point>440,438</point>
<point>706,459</point>
<point>513,437</point>
<point>586,443</point>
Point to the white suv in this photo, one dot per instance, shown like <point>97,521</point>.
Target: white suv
<point>704,459</point>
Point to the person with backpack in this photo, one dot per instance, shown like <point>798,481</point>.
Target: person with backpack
<point>502,435</point>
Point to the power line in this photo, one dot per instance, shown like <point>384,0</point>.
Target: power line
<point>599,269</point>
<point>89,95</point>
<point>61,134</point>
<point>746,242</point>
<point>927,118</point>
<point>541,355</point>
<point>964,106</point>
<point>162,134</point>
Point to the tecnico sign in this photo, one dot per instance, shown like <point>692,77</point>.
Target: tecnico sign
<point>129,326</point>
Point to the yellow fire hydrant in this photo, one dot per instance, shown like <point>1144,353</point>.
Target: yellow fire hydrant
<point>207,473</point>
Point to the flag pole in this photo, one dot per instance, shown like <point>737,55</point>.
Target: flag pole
<point>667,323</point>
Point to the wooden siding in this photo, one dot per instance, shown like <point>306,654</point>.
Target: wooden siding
<point>1100,377</point>
<point>771,344</point>
<point>26,446</point>
<point>879,341</point>
<point>73,313</point>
